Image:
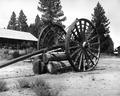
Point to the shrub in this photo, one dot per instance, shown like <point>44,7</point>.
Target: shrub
<point>3,86</point>
<point>15,54</point>
<point>41,88</point>
<point>24,83</point>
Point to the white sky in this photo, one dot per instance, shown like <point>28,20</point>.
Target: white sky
<point>72,9</point>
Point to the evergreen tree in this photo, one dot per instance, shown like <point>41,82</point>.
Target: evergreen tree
<point>32,29</point>
<point>12,22</point>
<point>51,10</point>
<point>36,27</point>
<point>37,21</point>
<point>101,23</point>
<point>22,22</point>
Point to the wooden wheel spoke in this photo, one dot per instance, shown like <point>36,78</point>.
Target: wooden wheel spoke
<point>52,29</point>
<point>84,26</point>
<point>84,30</point>
<point>74,43</point>
<point>83,35</point>
<point>96,43</point>
<point>96,36</point>
<point>46,35</point>
<point>75,52</point>
<point>77,57</point>
<point>48,41</point>
<point>84,63</point>
<point>80,26</point>
<point>77,38</point>
<point>92,54</point>
<point>77,31</point>
<point>87,61</point>
<point>88,35</point>
<point>81,61</point>
<point>93,49</point>
<point>89,58</point>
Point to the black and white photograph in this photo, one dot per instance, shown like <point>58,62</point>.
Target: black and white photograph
<point>59,48</point>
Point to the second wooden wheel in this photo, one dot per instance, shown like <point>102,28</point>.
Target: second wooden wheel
<point>52,34</point>
<point>82,45</point>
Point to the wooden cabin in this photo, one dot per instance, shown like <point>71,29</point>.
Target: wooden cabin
<point>16,39</point>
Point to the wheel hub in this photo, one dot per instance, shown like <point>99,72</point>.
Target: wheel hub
<point>84,44</point>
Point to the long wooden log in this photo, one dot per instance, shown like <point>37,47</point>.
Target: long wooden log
<point>19,58</point>
<point>29,55</point>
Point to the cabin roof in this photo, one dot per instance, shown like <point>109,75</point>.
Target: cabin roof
<point>19,35</point>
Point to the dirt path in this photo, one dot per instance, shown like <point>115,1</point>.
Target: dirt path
<point>104,81</point>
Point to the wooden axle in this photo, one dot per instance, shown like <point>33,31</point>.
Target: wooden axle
<point>54,56</point>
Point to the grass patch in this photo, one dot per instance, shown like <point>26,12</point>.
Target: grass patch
<point>42,88</point>
<point>3,86</point>
<point>24,83</point>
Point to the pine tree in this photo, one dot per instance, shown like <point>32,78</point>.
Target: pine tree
<point>51,10</point>
<point>100,20</point>
<point>22,22</point>
<point>32,29</point>
<point>37,21</point>
<point>12,23</point>
<point>101,23</point>
<point>36,27</point>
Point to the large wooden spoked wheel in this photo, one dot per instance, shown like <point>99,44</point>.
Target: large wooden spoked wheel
<point>50,35</point>
<point>82,45</point>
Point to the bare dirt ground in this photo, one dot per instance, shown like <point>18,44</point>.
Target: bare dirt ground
<point>103,81</point>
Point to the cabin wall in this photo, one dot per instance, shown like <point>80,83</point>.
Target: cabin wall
<point>16,44</point>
